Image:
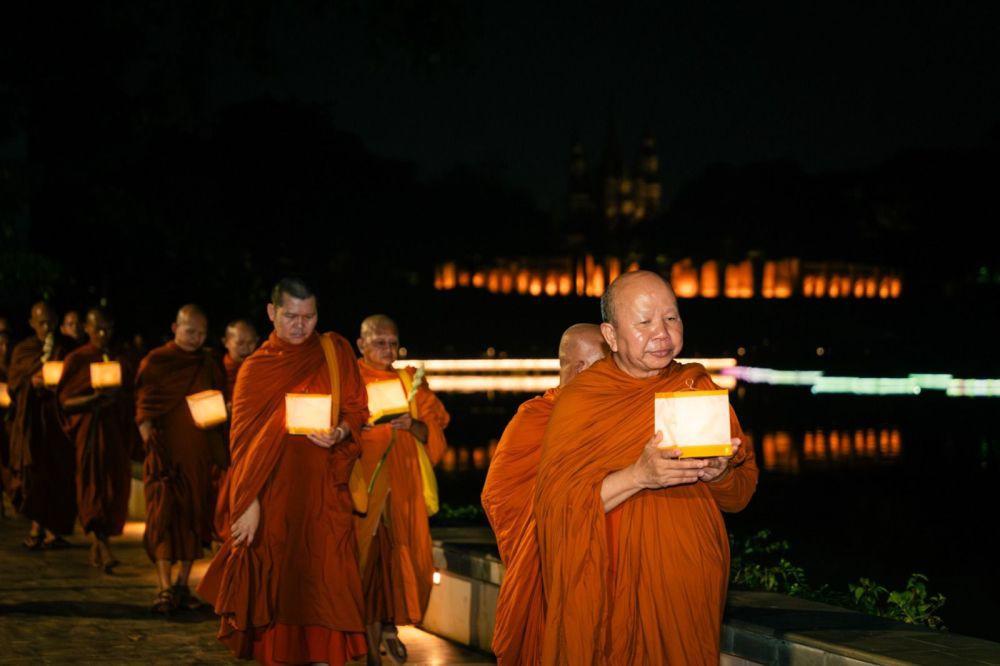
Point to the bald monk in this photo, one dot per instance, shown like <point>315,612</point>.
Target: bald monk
<point>100,423</point>
<point>286,579</point>
<point>179,455</point>
<point>240,341</point>
<point>71,327</point>
<point>42,458</point>
<point>508,501</point>
<point>394,535</point>
<point>634,550</point>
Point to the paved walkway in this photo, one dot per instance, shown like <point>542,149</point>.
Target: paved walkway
<point>56,608</point>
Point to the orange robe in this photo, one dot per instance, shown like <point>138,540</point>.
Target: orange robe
<point>293,595</point>
<point>508,499</point>
<point>665,599</point>
<point>42,458</point>
<point>104,436</point>
<point>398,565</point>
<point>178,465</point>
<point>221,485</point>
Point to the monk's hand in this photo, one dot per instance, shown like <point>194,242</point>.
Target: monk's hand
<point>403,422</point>
<point>245,527</point>
<point>661,468</point>
<point>719,467</point>
<point>324,439</point>
<point>146,431</point>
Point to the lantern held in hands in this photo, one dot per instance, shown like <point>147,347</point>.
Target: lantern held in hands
<point>696,422</point>
<point>208,408</point>
<point>307,413</point>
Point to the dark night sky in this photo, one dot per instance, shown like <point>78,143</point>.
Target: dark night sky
<point>831,86</point>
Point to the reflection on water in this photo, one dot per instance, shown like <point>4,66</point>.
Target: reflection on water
<point>781,452</point>
<point>464,459</point>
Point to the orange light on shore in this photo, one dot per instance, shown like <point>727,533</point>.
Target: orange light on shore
<point>710,279</point>
<point>307,413</point>
<point>52,372</point>
<point>4,396</point>
<point>208,408</point>
<point>106,375</point>
<point>684,279</point>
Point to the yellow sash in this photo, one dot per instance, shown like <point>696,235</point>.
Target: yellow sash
<point>356,484</point>
<point>426,468</point>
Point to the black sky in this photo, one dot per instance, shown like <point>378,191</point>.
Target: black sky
<point>827,85</point>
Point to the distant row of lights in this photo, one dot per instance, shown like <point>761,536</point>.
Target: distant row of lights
<point>912,384</point>
<point>587,277</point>
<point>781,454</point>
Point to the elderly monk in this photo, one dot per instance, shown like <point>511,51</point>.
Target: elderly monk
<point>100,422</point>
<point>286,579</point>
<point>634,550</point>
<point>394,535</point>
<point>508,500</point>
<point>71,327</point>
<point>42,458</point>
<point>240,341</point>
<point>179,454</point>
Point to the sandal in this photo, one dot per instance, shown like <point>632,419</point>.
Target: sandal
<point>58,543</point>
<point>394,647</point>
<point>165,602</point>
<point>34,542</point>
<point>96,556</point>
<point>186,600</point>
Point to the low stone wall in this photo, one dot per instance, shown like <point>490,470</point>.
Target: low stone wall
<point>760,627</point>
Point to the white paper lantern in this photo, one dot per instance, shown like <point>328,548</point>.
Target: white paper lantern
<point>307,413</point>
<point>208,408</point>
<point>386,401</point>
<point>52,372</point>
<point>106,375</point>
<point>696,422</point>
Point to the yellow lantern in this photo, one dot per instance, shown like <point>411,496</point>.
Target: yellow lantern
<point>4,396</point>
<point>386,401</point>
<point>106,375</point>
<point>208,408</point>
<point>696,422</point>
<point>307,413</point>
<point>52,372</point>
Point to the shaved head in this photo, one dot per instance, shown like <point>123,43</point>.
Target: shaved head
<point>379,341</point>
<point>99,326</point>
<point>642,323</point>
<point>43,319</point>
<point>581,346</point>
<point>241,339</point>
<point>190,328</point>
<point>72,327</point>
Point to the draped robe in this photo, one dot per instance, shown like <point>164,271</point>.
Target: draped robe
<point>294,594</point>
<point>42,457</point>
<point>104,436</point>
<point>177,469</point>
<point>397,561</point>
<point>665,599</point>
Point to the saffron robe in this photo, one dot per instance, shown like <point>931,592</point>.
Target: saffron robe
<point>294,594</point>
<point>104,436</point>
<point>394,535</point>
<point>508,500</point>
<point>42,457</point>
<point>177,471</point>
<point>221,486</point>
<point>665,599</point>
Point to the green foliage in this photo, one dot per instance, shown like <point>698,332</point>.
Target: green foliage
<point>449,515</point>
<point>760,563</point>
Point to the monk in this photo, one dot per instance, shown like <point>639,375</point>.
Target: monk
<point>179,455</point>
<point>285,581</point>
<point>42,458</point>
<point>99,421</point>
<point>508,501</point>
<point>394,535</point>
<point>240,341</point>
<point>71,327</point>
<point>634,550</point>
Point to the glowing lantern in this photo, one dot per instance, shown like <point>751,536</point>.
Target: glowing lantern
<point>448,275</point>
<point>767,283</point>
<point>106,375</point>
<point>208,408</point>
<point>565,284</point>
<point>633,267</point>
<point>684,279</point>
<point>479,457</point>
<point>808,286</point>
<point>463,459</point>
<point>581,280</point>
<point>437,279</point>
<point>871,288</point>
<point>859,288</point>
<point>307,413</point>
<point>478,280</point>
<point>710,280</point>
<point>808,446</point>
<point>845,286</point>
<point>883,288</point>
<point>614,269</point>
<point>834,286</point>
<point>386,401</point>
<point>52,372</point>
<point>785,272</point>
<point>551,284</point>
<point>535,286</point>
<point>597,281</point>
<point>4,396</point>
<point>696,422</point>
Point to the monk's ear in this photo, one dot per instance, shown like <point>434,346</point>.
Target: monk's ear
<point>173,327</point>
<point>608,331</point>
<point>361,345</point>
<point>272,312</point>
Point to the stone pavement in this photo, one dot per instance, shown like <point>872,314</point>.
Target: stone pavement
<point>56,608</point>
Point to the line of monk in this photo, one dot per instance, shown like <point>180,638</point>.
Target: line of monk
<point>615,548</point>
